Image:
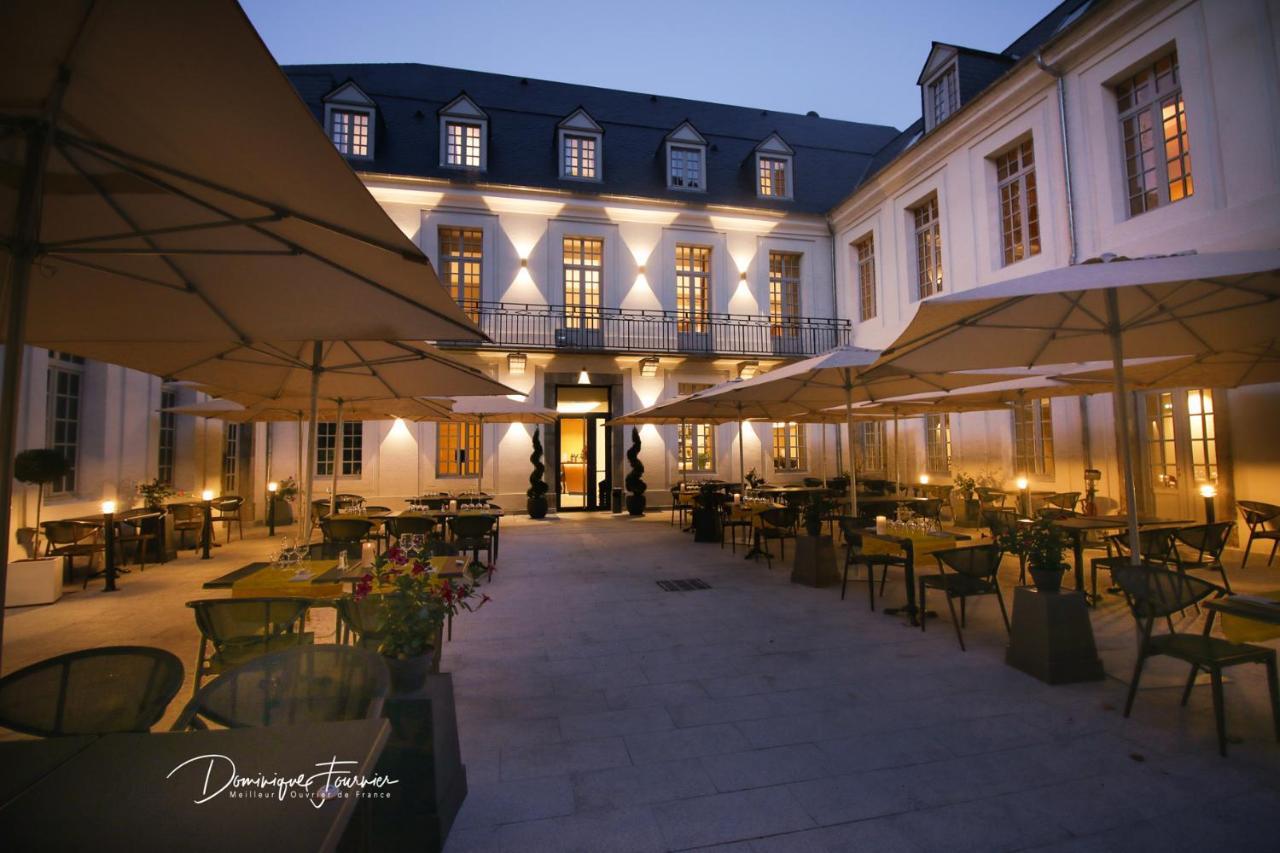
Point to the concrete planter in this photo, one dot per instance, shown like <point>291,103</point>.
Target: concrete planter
<point>815,562</point>
<point>33,582</point>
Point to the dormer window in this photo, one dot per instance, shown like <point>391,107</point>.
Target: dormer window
<point>464,135</point>
<point>944,95</point>
<point>348,119</point>
<point>580,148</point>
<point>773,168</point>
<point>686,159</point>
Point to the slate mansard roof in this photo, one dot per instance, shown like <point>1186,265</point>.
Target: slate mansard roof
<point>523,114</point>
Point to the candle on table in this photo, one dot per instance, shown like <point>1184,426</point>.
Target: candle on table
<point>882,524</point>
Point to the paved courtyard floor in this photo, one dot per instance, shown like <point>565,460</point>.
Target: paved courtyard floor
<point>599,713</point>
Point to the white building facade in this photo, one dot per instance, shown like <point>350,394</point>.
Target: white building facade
<point>620,249</point>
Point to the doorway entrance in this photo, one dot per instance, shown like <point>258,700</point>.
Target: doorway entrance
<point>1180,447</point>
<point>583,467</point>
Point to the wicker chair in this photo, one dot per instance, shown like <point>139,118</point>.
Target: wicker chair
<point>240,629</point>
<point>1263,521</point>
<point>229,510</point>
<point>91,692</point>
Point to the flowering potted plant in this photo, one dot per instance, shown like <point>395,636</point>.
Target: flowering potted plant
<point>155,493</point>
<point>412,603</point>
<point>1041,544</point>
<point>964,503</point>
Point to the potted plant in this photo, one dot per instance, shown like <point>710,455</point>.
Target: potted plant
<point>965,505</point>
<point>1041,544</point>
<point>537,492</point>
<point>815,560</point>
<point>155,493</point>
<point>635,477</point>
<point>754,481</point>
<point>37,580</point>
<point>286,495</point>
<point>413,604</point>
<point>707,525</point>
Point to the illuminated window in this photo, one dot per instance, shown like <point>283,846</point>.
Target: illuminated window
<point>697,447</point>
<point>1033,438</point>
<point>784,294</point>
<point>462,144</point>
<point>944,95</point>
<point>1153,133</point>
<point>461,261</point>
<point>693,288</point>
<point>1162,446</point>
<point>351,452</point>
<point>1204,437</point>
<point>866,252</point>
<point>870,456</point>
<point>580,156</point>
<point>774,182</point>
<point>62,415</point>
<point>583,269</point>
<point>928,239</point>
<point>1019,216</point>
<point>788,447</point>
<point>937,444</point>
<point>349,130</point>
<point>168,436</point>
<point>457,450</point>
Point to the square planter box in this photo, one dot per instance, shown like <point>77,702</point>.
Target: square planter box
<point>33,582</point>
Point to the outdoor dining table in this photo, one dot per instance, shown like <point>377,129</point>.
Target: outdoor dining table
<point>144,790</point>
<point>910,545</point>
<point>751,512</point>
<point>1246,618</point>
<point>1077,527</point>
<point>265,579</point>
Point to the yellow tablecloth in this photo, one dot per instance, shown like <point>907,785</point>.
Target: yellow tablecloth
<point>1241,629</point>
<point>273,582</point>
<point>921,544</point>
<point>746,512</point>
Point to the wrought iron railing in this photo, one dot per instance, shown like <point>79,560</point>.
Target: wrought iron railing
<point>553,327</point>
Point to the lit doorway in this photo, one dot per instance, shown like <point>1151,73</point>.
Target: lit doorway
<point>1180,444</point>
<point>583,458</point>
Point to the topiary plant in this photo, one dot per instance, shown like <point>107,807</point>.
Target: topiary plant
<point>37,467</point>
<point>537,492</point>
<point>635,482</point>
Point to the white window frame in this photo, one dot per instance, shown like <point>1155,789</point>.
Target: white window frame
<point>167,436</point>
<point>597,160</point>
<point>1033,451</point>
<point>871,448</point>
<point>788,176</point>
<point>349,99</point>
<point>701,151</point>
<point>349,444</point>
<point>949,78</point>
<point>333,110</point>
<point>463,111</point>
<point>795,438</point>
<point>937,444</point>
<point>864,268</point>
<point>73,367</point>
<point>1152,107</point>
<point>1017,203</point>
<point>933,226</point>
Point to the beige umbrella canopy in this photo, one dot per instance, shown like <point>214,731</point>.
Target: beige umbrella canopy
<point>1184,305</point>
<point>1247,366</point>
<point>981,398</point>
<point>161,174</point>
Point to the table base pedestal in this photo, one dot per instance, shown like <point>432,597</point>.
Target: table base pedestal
<point>1051,637</point>
<point>815,562</point>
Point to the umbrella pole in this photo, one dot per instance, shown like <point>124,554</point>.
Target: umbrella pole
<point>299,477</point>
<point>897,464</point>
<point>337,462</point>
<point>24,246</point>
<point>824,455</point>
<point>1121,407</point>
<point>853,467</point>
<point>480,454</point>
<point>680,439</point>
<point>317,354</point>
<point>742,455</point>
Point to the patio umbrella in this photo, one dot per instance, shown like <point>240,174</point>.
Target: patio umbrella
<point>845,375</point>
<point>165,180</point>
<point>492,410</point>
<point>1254,365</point>
<point>337,373</point>
<point>1182,305</point>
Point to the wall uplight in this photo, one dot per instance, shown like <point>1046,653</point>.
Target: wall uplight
<point>516,362</point>
<point>640,270</point>
<point>649,366</point>
<point>742,276</point>
<point>524,263</point>
<point>747,369</point>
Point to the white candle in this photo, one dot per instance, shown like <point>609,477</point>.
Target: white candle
<point>882,524</point>
<point>453,505</point>
<point>737,499</point>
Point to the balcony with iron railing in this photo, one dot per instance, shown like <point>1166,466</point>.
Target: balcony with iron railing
<point>562,328</point>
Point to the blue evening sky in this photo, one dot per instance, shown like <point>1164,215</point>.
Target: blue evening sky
<point>848,59</point>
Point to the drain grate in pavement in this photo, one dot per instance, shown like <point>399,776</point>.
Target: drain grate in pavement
<point>684,585</point>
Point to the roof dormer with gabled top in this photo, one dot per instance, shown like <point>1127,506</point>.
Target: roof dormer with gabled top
<point>350,117</point>
<point>580,147</point>
<point>686,151</point>
<point>774,169</point>
<point>952,75</point>
<point>464,135</point>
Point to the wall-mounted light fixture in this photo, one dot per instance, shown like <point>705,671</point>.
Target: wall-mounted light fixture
<point>584,378</point>
<point>742,276</point>
<point>516,362</point>
<point>524,263</point>
<point>640,270</point>
<point>649,366</point>
<point>747,369</point>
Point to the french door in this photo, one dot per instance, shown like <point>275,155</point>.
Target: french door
<point>1180,449</point>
